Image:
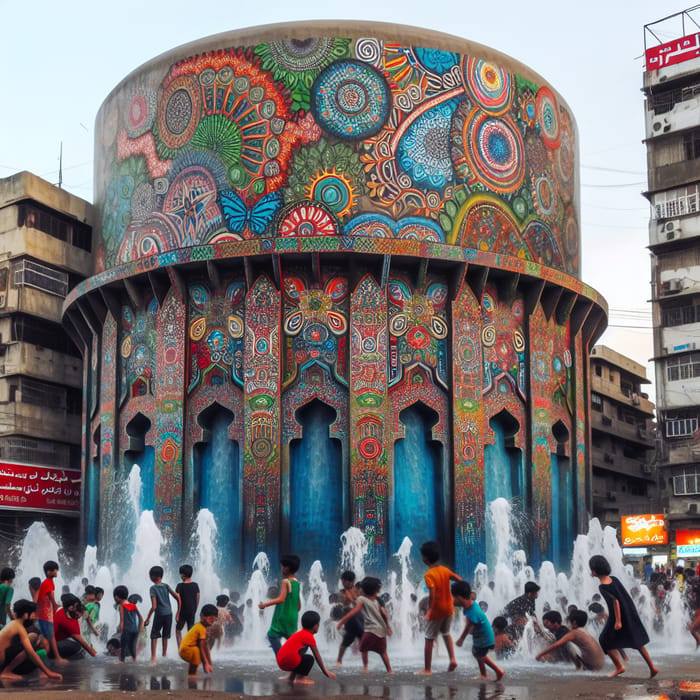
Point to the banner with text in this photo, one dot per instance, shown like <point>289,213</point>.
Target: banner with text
<point>642,530</point>
<point>673,52</point>
<point>32,488</point>
<point>687,543</point>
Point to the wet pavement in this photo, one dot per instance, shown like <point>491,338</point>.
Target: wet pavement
<point>679,679</point>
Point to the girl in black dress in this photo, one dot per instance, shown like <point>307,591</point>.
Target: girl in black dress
<point>624,628</point>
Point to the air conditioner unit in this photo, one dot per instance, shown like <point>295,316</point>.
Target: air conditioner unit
<point>670,230</point>
<point>692,509</point>
<point>646,468</point>
<point>675,284</point>
<point>635,399</point>
<point>608,459</point>
<point>612,495</point>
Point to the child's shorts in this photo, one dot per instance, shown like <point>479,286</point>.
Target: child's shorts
<point>481,652</point>
<point>162,626</point>
<point>370,642</point>
<point>437,627</point>
<point>192,655</point>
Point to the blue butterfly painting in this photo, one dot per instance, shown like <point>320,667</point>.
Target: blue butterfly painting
<point>258,218</point>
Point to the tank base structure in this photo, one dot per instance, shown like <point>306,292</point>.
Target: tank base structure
<point>337,284</point>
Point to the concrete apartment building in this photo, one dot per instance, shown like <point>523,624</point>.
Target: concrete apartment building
<point>672,110</point>
<point>45,249</point>
<point>622,438</point>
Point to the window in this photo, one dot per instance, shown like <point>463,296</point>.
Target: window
<point>598,371</point>
<point>686,484</point>
<point>691,145</point>
<point>64,228</point>
<point>680,315</point>
<point>672,203</point>
<point>683,367</point>
<point>681,427</point>
<point>662,102</point>
<point>28,273</point>
<point>596,402</point>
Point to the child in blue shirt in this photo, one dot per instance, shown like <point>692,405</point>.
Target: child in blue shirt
<point>476,623</point>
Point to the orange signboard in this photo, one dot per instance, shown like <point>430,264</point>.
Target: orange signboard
<point>641,530</point>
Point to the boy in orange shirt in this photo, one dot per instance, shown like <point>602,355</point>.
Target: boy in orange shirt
<point>440,605</point>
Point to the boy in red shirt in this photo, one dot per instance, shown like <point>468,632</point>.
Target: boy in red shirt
<point>47,606</point>
<point>440,605</point>
<point>292,655</point>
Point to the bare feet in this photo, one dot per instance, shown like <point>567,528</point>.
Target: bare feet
<point>9,676</point>
<point>653,671</point>
<point>617,672</point>
<point>424,672</point>
<point>304,681</point>
<point>452,666</point>
<point>500,674</point>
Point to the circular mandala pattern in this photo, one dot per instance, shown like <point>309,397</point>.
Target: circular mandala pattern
<point>303,219</point>
<point>369,344</point>
<point>262,346</point>
<point>424,151</point>
<point>518,341</point>
<point>351,100</point>
<point>489,86</point>
<point>488,335</point>
<point>127,344</point>
<point>548,116</point>
<point>540,366</point>
<point>494,151</point>
<point>179,112</point>
<point>370,448</point>
<point>141,114</point>
<point>334,190</point>
<point>261,448</point>
<point>198,328</point>
<point>544,196</point>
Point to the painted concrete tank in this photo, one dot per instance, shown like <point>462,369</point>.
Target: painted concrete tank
<point>337,284</point>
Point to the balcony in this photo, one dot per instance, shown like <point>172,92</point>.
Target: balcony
<point>41,422</point>
<point>621,429</point>
<point>618,463</point>
<point>682,115</point>
<point>41,363</point>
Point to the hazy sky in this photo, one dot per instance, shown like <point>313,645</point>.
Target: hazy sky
<point>59,60</point>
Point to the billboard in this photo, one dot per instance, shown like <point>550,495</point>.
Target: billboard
<point>673,52</point>
<point>31,488</point>
<point>687,543</point>
<point>643,530</point>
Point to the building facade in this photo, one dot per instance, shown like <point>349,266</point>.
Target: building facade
<point>337,284</point>
<point>672,109</point>
<point>623,449</point>
<point>45,249</point>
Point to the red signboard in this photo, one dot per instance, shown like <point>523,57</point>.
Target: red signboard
<point>673,52</point>
<point>25,487</point>
<point>641,530</point>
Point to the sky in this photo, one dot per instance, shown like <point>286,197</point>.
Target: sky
<point>59,61</point>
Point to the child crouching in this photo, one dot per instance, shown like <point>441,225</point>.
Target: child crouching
<point>292,655</point>
<point>194,648</point>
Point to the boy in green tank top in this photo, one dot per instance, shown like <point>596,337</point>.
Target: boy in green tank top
<point>287,604</point>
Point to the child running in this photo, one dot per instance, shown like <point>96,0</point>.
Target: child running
<point>477,624</point>
<point>376,622</point>
<point>292,655</point>
<point>287,604</point>
<point>194,648</point>
<point>440,606</point>
<point>623,628</point>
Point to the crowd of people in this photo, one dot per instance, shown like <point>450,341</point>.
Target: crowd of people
<point>37,633</point>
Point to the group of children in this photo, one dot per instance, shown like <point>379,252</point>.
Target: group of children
<point>361,614</point>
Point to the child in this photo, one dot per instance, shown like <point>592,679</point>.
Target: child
<point>292,655</point>
<point>440,606</point>
<point>215,632</point>
<point>287,604</point>
<point>130,623</point>
<point>477,624</point>
<point>160,605</point>
<point>376,623</point>
<point>34,584</point>
<point>193,647</point>
<point>92,611</point>
<point>624,628</point>
<point>47,606</point>
<point>580,646</point>
<point>188,591</point>
<point>354,625</point>
<point>503,645</point>
<point>7,576</point>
